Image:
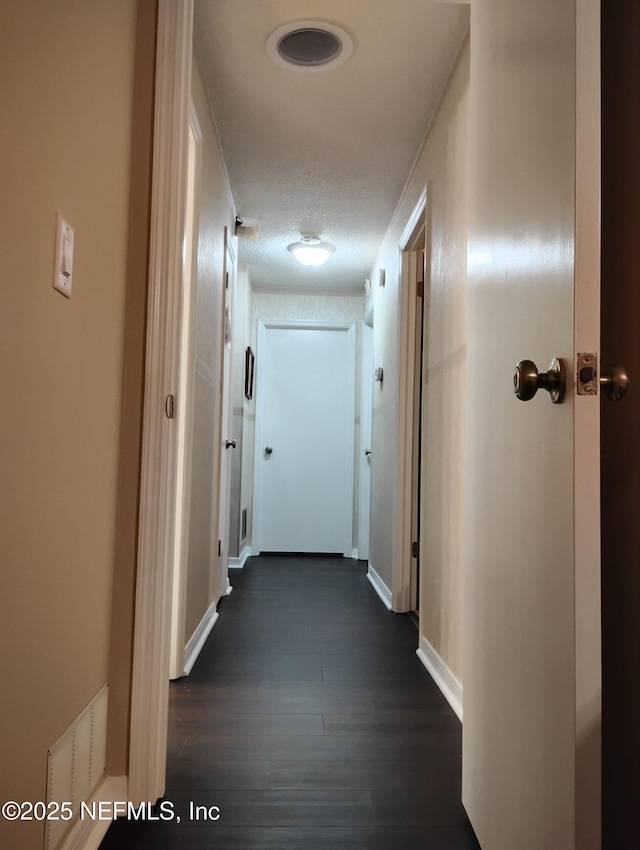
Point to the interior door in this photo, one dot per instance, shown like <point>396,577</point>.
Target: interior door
<point>364,459</point>
<point>305,423</point>
<point>228,439</point>
<point>532,681</point>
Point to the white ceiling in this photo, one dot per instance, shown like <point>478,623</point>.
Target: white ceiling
<point>325,152</point>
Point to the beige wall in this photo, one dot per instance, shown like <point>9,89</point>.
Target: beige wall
<point>69,84</point>
<point>215,212</point>
<point>442,166</point>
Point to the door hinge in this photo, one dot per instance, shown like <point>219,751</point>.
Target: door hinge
<point>415,549</point>
<point>219,548</point>
<point>587,374</point>
<point>170,406</point>
<point>420,288</point>
<point>226,281</point>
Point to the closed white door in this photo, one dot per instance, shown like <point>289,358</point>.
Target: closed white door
<point>305,434</point>
<point>229,440</point>
<point>364,459</point>
<point>532,680</point>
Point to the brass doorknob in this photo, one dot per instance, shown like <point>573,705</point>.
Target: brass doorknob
<point>527,380</point>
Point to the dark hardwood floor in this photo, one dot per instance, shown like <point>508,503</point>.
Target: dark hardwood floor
<point>310,723</point>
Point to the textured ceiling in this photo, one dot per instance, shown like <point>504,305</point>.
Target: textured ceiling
<point>325,152</point>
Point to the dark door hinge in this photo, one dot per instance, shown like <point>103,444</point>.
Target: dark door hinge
<point>415,549</point>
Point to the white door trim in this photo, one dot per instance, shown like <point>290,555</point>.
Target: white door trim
<point>350,329</point>
<point>150,677</point>
<point>401,580</point>
<point>588,600</point>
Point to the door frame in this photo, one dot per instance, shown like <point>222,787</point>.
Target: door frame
<point>402,574</point>
<point>263,326</point>
<point>151,638</point>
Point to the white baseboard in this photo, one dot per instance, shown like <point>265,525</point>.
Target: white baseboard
<point>87,834</point>
<point>380,587</point>
<point>238,563</point>
<point>197,639</point>
<point>354,554</point>
<point>442,675</point>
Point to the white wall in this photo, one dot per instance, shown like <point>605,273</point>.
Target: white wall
<point>442,168</point>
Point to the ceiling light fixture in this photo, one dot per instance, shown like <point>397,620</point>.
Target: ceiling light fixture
<point>311,250</point>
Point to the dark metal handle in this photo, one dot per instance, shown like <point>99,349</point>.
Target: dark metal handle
<point>527,380</point>
<point>268,450</point>
<point>615,383</point>
<point>367,452</point>
<point>229,444</point>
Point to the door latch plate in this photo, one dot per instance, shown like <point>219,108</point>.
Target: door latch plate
<point>587,374</point>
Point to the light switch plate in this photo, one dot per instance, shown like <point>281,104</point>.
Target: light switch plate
<point>63,261</point>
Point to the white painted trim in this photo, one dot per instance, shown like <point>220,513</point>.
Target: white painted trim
<point>380,587</point>
<point>354,554</point>
<point>87,834</point>
<point>151,643</point>
<point>413,220</point>
<point>586,421</point>
<point>350,328</point>
<point>441,675</point>
<point>351,440</point>
<point>238,563</point>
<point>198,638</point>
<point>401,581</point>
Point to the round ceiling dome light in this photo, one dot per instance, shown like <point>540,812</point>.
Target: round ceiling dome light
<point>311,250</point>
<point>310,45</point>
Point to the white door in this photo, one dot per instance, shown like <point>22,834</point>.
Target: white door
<point>532,682</point>
<point>364,460</point>
<point>305,421</point>
<point>228,439</point>
<point>184,413</point>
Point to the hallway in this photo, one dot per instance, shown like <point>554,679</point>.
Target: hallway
<point>310,722</point>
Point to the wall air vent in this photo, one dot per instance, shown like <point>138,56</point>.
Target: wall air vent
<point>310,45</point>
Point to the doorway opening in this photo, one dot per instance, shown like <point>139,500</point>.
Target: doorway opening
<point>413,246</point>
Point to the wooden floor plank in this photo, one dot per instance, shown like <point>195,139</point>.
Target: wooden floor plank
<point>310,724</point>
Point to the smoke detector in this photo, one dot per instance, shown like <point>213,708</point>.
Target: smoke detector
<point>310,45</point>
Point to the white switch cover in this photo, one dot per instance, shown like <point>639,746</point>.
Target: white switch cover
<point>63,268</point>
